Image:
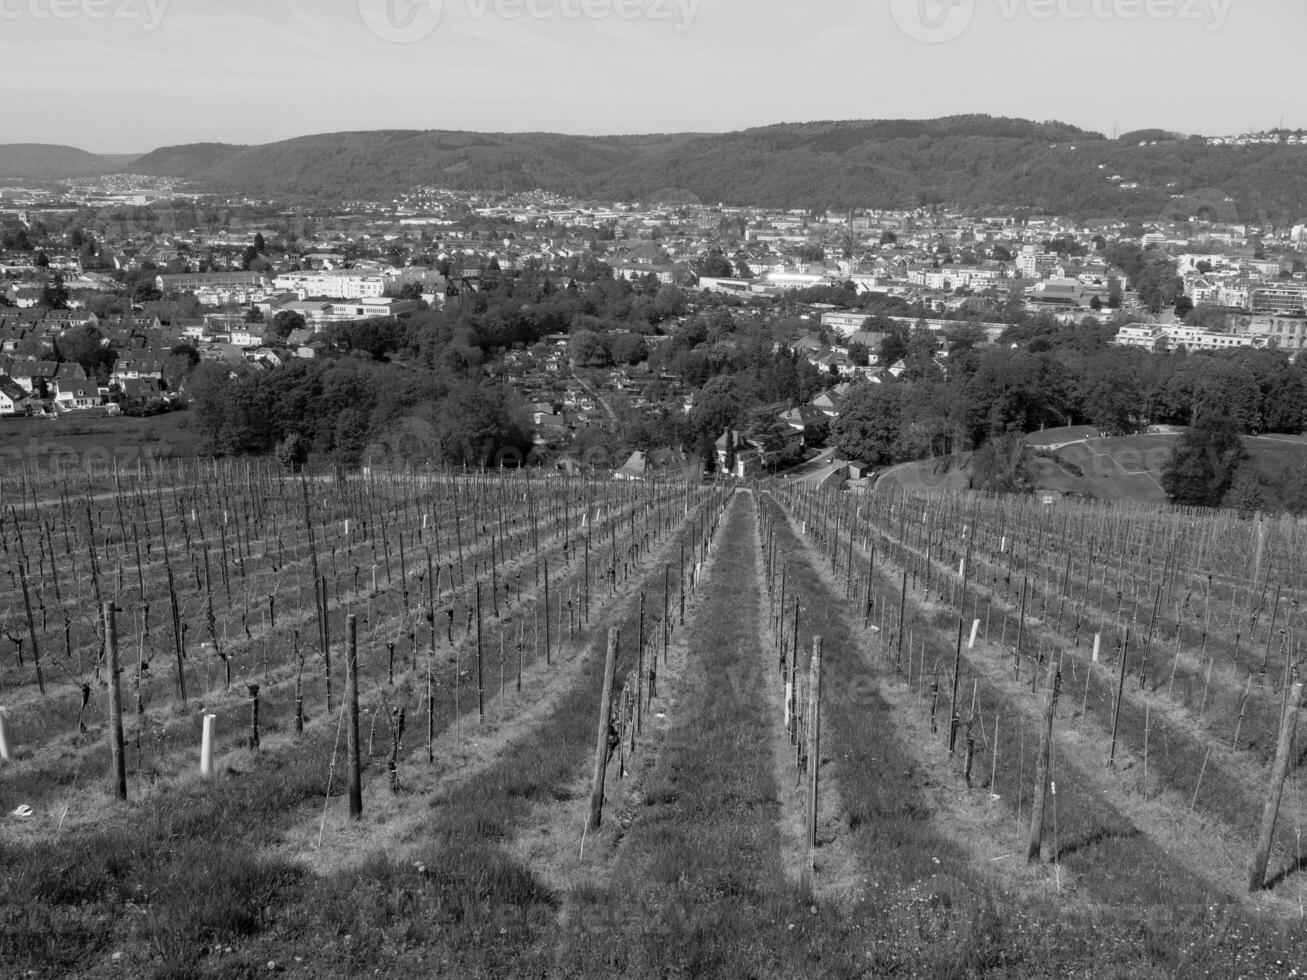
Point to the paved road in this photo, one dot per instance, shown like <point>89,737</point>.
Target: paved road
<point>603,402</point>
<point>814,470</point>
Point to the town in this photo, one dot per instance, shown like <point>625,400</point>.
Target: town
<point>648,489</point>
<point>116,288</point>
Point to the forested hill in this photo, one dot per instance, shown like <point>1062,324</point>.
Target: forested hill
<point>963,161</point>
<point>43,161</point>
<point>184,161</point>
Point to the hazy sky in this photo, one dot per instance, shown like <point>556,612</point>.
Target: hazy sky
<point>130,75</point>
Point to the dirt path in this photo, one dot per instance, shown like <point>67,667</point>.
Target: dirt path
<point>552,842</point>
<point>704,845</point>
<point>977,824</point>
<point>837,876</point>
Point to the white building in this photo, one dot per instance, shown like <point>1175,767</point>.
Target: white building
<point>346,284</point>
<point>1145,335</point>
<point>844,324</point>
<point>1155,336</point>
<point>1030,261</point>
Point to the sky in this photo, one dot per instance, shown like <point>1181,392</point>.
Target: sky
<point>127,76</point>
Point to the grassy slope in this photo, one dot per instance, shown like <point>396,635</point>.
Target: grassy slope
<point>93,442</point>
<point>698,890</point>
<point>1123,468</point>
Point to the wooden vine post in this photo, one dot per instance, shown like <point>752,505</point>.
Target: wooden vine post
<point>954,718</point>
<point>639,675</point>
<point>481,692</point>
<point>352,725</point>
<point>1275,791</point>
<point>27,602</point>
<point>117,757</point>
<point>1116,705</point>
<point>1041,767</point>
<point>548,659</point>
<point>813,724</point>
<point>898,639</point>
<point>601,741</point>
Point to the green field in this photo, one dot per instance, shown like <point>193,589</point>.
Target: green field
<point>1121,468</point>
<point>91,444</point>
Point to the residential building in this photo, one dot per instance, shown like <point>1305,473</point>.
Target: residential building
<point>1156,336</point>
<point>1150,336</point>
<point>13,398</point>
<point>344,284</point>
<point>193,282</point>
<point>844,324</point>
<point>73,389</point>
<point>1032,262</point>
<point>31,375</point>
<point>1280,298</point>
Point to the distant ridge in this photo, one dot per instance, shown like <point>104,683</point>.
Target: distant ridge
<point>43,161</point>
<point>183,161</point>
<point>973,161</point>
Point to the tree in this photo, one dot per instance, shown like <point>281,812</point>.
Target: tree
<point>182,359</point>
<point>85,345</point>
<point>1157,281</point>
<point>627,348</point>
<point>771,436</point>
<point>475,423</point>
<point>718,407</point>
<point>42,261</point>
<point>1095,304</point>
<point>1247,493</point>
<point>287,322</point>
<point>963,337</point>
<point>888,237</point>
<point>1002,465</point>
<point>894,345</point>
<point>859,354</point>
<point>293,452</point>
<point>714,265</point>
<point>589,349</point>
<point>669,302</point>
<point>1208,316</point>
<point>870,424</point>
<point>55,295</point>
<point>742,270</point>
<point>1205,463</point>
